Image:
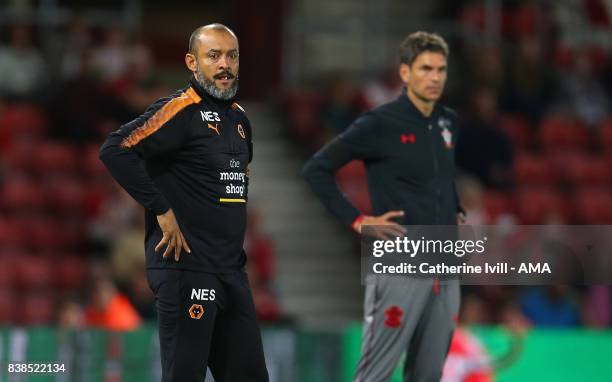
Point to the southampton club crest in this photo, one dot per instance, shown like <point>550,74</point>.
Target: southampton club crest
<point>447,136</point>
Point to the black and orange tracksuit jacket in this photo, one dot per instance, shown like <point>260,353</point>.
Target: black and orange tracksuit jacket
<point>188,152</point>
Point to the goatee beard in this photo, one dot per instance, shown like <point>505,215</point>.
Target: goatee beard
<point>212,90</point>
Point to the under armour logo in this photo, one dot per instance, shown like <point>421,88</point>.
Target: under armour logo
<point>394,316</point>
<point>214,127</point>
<point>408,138</point>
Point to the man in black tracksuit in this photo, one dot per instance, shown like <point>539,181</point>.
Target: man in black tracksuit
<point>185,160</point>
<point>408,149</point>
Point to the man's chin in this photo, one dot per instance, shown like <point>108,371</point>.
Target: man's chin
<point>224,84</point>
<point>433,97</point>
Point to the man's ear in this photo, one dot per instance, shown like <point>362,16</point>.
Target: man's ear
<point>190,62</point>
<point>404,72</point>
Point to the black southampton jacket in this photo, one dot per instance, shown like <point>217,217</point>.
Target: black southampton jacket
<point>409,161</point>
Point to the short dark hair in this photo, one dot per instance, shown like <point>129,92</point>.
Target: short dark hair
<point>215,26</point>
<point>419,42</point>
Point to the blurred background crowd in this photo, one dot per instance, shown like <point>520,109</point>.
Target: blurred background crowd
<point>531,80</point>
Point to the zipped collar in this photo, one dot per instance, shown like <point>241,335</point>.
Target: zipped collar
<point>207,98</point>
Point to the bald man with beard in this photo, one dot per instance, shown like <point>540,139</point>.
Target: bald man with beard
<point>185,161</point>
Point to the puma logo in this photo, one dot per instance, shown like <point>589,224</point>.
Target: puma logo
<point>214,127</point>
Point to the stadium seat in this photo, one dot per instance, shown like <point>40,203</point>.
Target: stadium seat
<point>6,270</point>
<point>563,57</point>
<point>302,111</point>
<point>498,203</point>
<point>357,192</point>
<point>594,205</point>
<point>36,309</point>
<point>72,234</point>
<point>55,157</point>
<point>71,272</point>
<point>473,16</point>
<point>361,199</point>
<point>7,306</point>
<point>95,195</point>
<point>43,233</point>
<point>517,129</point>
<point>65,195</point>
<point>587,170</point>
<point>353,170</point>
<point>33,272</point>
<point>557,132</point>
<point>12,233</point>
<point>598,58</point>
<point>18,156</point>
<point>20,120</point>
<point>92,166</point>
<point>525,20</point>
<point>533,169</point>
<point>54,234</point>
<point>605,135</point>
<point>20,193</point>
<point>539,204</point>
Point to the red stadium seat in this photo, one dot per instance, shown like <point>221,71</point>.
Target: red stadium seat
<point>6,271</point>
<point>12,233</point>
<point>71,272</point>
<point>54,234</point>
<point>525,20</point>
<point>517,129</point>
<point>563,57</point>
<point>605,135</point>
<point>18,156</point>
<point>360,197</point>
<point>65,195</point>
<point>92,166</point>
<point>355,187</point>
<point>587,170</point>
<point>20,193</point>
<point>498,203</point>
<point>55,157</point>
<point>36,309</point>
<point>594,205</point>
<point>34,273</point>
<point>473,16</point>
<point>43,233</point>
<point>539,204</point>
<point>353,170</point>
<point>96,194</point>
<point>8,302</point>
<point>302,110</point>
<point>72,234</point>
<point>557,132</point>
<point>532,169</point>
<point>21,120</point>
<point>579,168</point>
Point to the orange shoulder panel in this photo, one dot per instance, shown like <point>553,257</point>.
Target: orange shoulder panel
<point>163,115</point>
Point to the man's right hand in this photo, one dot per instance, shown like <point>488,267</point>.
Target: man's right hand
<point>173,237</point>
<point>383,226</point>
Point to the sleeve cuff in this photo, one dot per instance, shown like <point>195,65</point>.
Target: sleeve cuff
<point>160,206</point>
<point>356,222</point>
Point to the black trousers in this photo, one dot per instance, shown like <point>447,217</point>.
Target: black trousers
<point>207,320</point>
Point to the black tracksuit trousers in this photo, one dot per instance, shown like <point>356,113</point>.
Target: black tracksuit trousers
<point>205,320</point>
